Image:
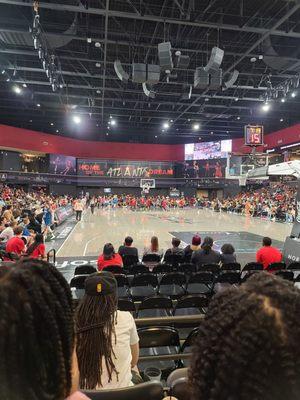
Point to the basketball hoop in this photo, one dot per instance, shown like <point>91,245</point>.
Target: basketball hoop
<point>242,180</point>
<point>146,185</point>
<point>146,188</point>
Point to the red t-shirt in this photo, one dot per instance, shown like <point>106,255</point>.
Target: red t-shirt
<point>15,245</point>
<point>267,255</point>
<point>38,252</point>
<point>116,260</point>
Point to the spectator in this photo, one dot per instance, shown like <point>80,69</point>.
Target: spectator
<point>107,339</point>
<point>109,257</point>
<point>154,247</point>
<point>16,245</point>
<point>228,254</point>
<point>38,360</point>
<point>248,344</point>
<point>8,232</point>
<point>206,255</point>
<point>34,225</point>
<point>175,249</point>
<point>127,249</point>
<point>37,248</point>
<point>78,208</point>
<point>268,254</point>
<point>188,251</point>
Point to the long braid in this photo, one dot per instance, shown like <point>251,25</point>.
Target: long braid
<point>36,333</point>
<point>95,324</point>
<point>247,347</point>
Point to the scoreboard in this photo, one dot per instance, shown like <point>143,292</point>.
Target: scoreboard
<point>254,135</point>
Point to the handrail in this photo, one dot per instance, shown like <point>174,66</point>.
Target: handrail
<point>183,319</point>
<point>166,357</point>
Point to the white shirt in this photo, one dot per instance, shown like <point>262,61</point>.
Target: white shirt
<point>7,234</point>
<point>126,336</point>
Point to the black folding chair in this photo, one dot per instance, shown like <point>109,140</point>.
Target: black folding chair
<point>78,281</point>
<point>214,268</point>
<point>294,266</point>
<point>234,266</point>
<point>172,285</point>
<point>187,268</point>
<point>151,258</point>
<point>186,347</point>
<point>143,286</point>
<point>174,259</point>
<point>129,260</point>
<point>84,270</point>
<point>187,306</point>
<point>127,305</point>
<point>153,307</point>
<point>114,269</point>
<point>226,280</point>
<point>249,269</point>
<point>277,266</point>
<point>144,391</point>
<point>136,269</point>
<point>123,286</point>
<point>162,268</point>
<point>201,283</point>
<point>285,274</point>
<point>158,341</point>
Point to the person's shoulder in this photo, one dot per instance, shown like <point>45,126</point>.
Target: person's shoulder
<point>78,396</point>
<point>124,317</point>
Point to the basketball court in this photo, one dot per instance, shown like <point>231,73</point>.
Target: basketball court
<point>84,241</point>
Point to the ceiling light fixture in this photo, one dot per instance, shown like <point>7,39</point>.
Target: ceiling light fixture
<point>282,100</point>
<point>294,94</point>
<point>236,99</point>
<point>281,119</point>
<point>238,118</point>
<point>266,107</point>
<point>113,122</point>
<point>3,72</point>
<point>52,124</point>
<point>38,105</point>
<point>24,85</point>
<point>77,119</point>
<point>17,89</point>
<point>166,125</point>
<point>196,127</point>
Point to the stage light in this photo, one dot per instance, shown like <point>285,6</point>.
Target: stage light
<point>77,119</point>
<point>171,120</point>
<point>98,65</point>
<point>166,125</point>
<point>238,118</point>
<point>236,99</point>
<point>155,136</point>
<point>52,124</point>
<point>3,72</point>
<point>38,105</point>
<point>266,107</point>
<point>282,100</point>
<point>106,133</point>
<point>211,133</point>
<point>57,131</point>
<point>8,80</point>
<point>294,94</point>
<point>196,127</point>
<point>17,89</point>
<point>281,119</point>
<point>113,122</point>
<point>24,85</point>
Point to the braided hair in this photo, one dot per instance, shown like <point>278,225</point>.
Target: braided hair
<point>36,333</point>
<point>95,325</point>
<point>248,345</point>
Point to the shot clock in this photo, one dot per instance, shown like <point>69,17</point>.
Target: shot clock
<point>254,135</point>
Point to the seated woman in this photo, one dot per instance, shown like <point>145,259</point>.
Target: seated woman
<point>107,339</point>
<point>188,251</point>
<point>228,254</point>
<point>206,255</point>
<point>37,248</point>
<point>248,344</point>
<point>153,248</point>
<point>109,257</point>
<point>37,337</point>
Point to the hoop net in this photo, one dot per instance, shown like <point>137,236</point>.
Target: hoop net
<point>242,180</point>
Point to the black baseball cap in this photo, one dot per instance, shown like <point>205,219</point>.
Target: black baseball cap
<point>100,284</point>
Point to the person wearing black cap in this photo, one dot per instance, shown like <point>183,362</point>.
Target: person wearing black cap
<point>107,339</point>
<point>127,249</point>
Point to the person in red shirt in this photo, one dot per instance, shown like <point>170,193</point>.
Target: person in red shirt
<point>37,248</point>
<point>109,257</point>
<point>16,245</point>
<point>268,254</point>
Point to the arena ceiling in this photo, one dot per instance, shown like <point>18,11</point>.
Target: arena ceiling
<point>261,39</point>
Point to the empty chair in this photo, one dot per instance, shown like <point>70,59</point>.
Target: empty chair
<point>172,285</point>
<point>127,305</point>
<point>114,269</point>
<point>162,268</point>
<point>234,266</point>
<point>186,347</point>
<point>123,285</point>
<point>129,260</point>
<point>143,391</point>
<point>226,279</point>
<point>201,283</point>
<point>174,259</point>
<point>294,266</point>
<point>78,281</point>
<point>143,286</point>
<point>84,270</point>
<point>158,341</point>
<point>297,281</point>
<point>288,275</point>
<point>187,306</point>
<point>214,268</point>
<point>139,268</point>
<point>187,268</point>
<point>253,266</point>
<point>277,266</point>
<point>151,258</point>
<point>157,306</point>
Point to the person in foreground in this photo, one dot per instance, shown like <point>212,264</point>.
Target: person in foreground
<point>248,344</point>
<point>268,254</point>
<point>107,339</point>
<point>37,340</point>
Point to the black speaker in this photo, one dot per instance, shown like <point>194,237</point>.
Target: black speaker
<point>216,79</point>
<point>139,73</point>
<point>201,78</point>
<point>121,73</point>
<point>215,60</point>
<point>153,74</point>
<point>183,61</point>
<point>232,79</point>
<point>165,56</point>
